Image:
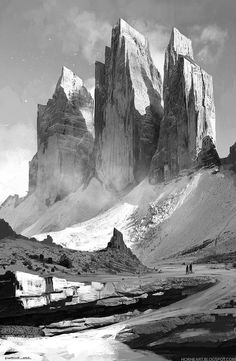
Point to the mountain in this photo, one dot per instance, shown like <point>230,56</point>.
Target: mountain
<point>60,193</point>
<point>65,140</point>
<point>188,124</point>
<point>73,175</point>
<point>128,109</point>
<point>159,180</point>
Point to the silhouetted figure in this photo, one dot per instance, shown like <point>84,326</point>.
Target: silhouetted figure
<point>187,269</point>
<point>191,268</point>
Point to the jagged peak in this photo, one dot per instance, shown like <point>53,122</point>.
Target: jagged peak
<point>180,43</point>
<point>117,241</point>
<point>127,31</point>
<point>69,81</point>
<point>6,230</point>
<point>41,108</point>
<point>10,200</point>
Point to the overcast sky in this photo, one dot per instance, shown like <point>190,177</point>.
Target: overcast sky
<point>37,37</point>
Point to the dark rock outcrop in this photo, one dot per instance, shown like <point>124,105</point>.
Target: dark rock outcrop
<point>208,155</point>
<point>193,334</point>
<point>230,161</point>
<point>48,240</point>
<point>6,230</point>
<point>117,251</point>
<point>232,154</point>
<point>117,242</point>
<point>128,109</point>
<point>65,140</point>
<point>189,114</point>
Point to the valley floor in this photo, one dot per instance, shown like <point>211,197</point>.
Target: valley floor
<point>105,343</point>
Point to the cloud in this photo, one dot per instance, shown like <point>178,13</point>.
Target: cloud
<point>85,33</point>
<point>13,174</point>
<point>68,28</point>
<point>210,42</point>
<point>158,37</point>
<point>38,90</point>
<point>17,143</point>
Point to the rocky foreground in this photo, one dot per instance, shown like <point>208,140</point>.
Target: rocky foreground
<point>59,307</point>
<point>196,325</point>
<point>203,324</point>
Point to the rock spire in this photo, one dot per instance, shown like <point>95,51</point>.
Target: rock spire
<point>65,140</point>
<point>188,124</point>
<point>128,109</point>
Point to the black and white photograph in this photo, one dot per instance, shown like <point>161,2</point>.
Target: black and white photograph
<point>118,180</point>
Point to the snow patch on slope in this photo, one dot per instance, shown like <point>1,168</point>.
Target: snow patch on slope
<point>126,216</point>
<point>95,233</point>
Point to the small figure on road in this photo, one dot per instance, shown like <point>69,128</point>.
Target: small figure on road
<point>187,269</point>
<point>191,268</point>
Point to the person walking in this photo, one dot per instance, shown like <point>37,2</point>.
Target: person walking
<point>191,268</point>
<point>187,269</point>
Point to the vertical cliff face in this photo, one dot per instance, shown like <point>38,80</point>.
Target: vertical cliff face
<point>188,124</point>
<point>33,171</point>
<point>230,161</point>
<point>128,109</point>
<point>65,140</point>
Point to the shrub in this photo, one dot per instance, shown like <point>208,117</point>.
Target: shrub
<point>33,256</point>
<point>49,260</point>
<point>27,263</point>
<point>41,257</point>
<point>85,268</point>
<point>65,261</point>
